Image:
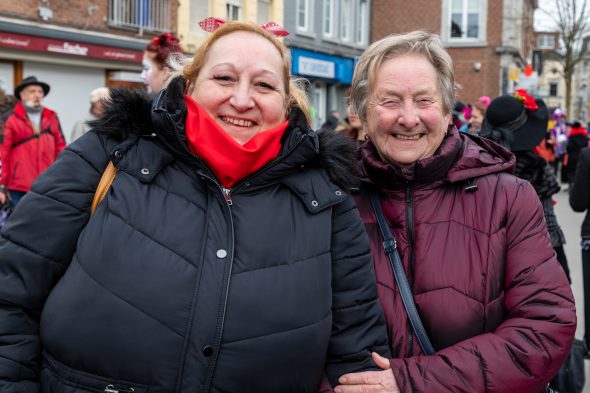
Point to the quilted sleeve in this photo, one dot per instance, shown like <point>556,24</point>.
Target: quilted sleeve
<point>526,350</point>
<point>36,247</point>
<point>358,326</point>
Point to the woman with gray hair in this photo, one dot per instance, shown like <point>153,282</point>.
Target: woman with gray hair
<point>470,251</point>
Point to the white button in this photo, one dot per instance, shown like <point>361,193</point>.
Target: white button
<point>221,253</point>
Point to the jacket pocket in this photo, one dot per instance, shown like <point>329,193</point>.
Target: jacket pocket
<point>59,378</point>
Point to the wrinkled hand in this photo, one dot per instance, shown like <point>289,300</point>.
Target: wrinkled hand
<point>369,381</point>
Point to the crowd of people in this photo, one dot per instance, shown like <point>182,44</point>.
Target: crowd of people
<point>411,247</point>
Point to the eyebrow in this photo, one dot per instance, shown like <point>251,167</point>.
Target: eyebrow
<point>263,71</point>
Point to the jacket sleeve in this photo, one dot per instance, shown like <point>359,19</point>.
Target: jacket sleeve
<point>358,326</point>
<point>36,246</point>
<point>527,348</point>
<point>580,192</point>
<point>5,148</point>
<point>58,135</point>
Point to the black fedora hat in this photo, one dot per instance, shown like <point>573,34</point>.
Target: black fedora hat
<point>510,123</point>
<point>28,81</point>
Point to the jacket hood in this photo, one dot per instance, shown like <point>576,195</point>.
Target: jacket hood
<point>459,158</point>
<point>132,112</point>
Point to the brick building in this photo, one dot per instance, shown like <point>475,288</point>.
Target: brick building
<point>78,45</point>
<point>489,40</point>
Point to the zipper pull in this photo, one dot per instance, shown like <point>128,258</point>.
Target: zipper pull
<point>227,196</point>
<point>112,389</point>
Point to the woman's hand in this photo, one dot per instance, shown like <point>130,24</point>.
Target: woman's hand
<point>369,381</point>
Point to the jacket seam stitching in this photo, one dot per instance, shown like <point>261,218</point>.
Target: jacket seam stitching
<point>123,299</point>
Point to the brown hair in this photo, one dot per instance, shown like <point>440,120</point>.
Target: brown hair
<point>161,46</point>
<point>294,91</point>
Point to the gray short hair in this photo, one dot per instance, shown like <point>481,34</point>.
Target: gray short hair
<point>415,42</point>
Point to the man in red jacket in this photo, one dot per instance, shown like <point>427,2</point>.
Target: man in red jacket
<point>32,140</point>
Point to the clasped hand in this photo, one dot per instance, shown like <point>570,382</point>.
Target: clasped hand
<point>369,381</point>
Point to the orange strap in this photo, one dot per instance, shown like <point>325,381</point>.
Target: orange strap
<point>108,176</point>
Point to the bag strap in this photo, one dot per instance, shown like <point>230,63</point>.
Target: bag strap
<point>108,176</point>
<point>30,138</point>
<point>390,247</point>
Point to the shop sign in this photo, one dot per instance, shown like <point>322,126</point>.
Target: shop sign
<point>316,67</point>
<point>78,49</point>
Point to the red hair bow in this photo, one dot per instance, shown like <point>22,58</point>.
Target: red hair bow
<point>527,101</point>
<point>211,24</point>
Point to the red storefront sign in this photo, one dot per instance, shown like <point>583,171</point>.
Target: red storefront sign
<point>79,49</point>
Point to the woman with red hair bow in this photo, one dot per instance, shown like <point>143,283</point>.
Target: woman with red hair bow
<point>155,61</point>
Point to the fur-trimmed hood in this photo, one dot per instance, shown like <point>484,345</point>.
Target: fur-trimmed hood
<point>132,112</point>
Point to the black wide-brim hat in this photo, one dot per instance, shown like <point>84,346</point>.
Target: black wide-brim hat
<point>528,127</point>
<point>28,81</point>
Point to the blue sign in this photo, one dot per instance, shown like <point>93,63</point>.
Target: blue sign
<point>321,65</point>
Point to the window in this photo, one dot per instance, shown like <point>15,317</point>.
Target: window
<point>198,11</point>
<point>553,89</point>
<point>263,11</point>
<point>304,12</point>
<point>546,41</point>
<point>345,21</point>
<point>465,19</point>
<point>233,9</point>
<point>362,23</point>
<point>151,15</point>
<point>328,17</point>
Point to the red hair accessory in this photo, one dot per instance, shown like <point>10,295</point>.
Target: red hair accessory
<point>527,101</point>
<point>211,24</point>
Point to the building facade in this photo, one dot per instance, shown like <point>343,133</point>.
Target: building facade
<point>191,12</point>
<point>88,44</point>
<point>327,37</point>
<point>490,41</point>
<point>549,66</point>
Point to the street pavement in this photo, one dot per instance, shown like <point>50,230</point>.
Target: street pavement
<point>571,222</point>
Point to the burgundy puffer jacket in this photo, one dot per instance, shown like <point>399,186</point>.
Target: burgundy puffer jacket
<point>493,299</point>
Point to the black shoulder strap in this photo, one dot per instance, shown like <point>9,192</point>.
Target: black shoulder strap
<point>390,247</point>
<point>29,138</point>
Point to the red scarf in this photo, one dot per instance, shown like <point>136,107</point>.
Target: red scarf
<point>229,161</point>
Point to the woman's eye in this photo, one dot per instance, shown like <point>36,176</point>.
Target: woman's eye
<point>266,85</point>
<point>222,78</point>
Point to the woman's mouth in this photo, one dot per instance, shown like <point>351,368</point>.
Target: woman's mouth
<point>237,122</point>
<point>408,137</point>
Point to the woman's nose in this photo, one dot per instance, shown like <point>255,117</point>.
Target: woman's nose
<point>408,115</point>
<point>241,98</point>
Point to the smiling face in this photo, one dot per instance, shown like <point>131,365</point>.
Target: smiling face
<point>405,117</point>
<point>153,74</point>
<point>241,85</point>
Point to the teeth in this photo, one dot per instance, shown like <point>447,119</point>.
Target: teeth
<point>408,137</point>
<point>237,122</point>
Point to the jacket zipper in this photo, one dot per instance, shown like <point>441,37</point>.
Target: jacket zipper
<point>410,234</point>
<point>113,389</point>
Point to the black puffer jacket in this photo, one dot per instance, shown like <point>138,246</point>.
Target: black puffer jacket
<point>580,191</point>
<point>170,287</point>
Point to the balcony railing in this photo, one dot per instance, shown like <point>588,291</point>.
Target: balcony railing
<point>149,15</point>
